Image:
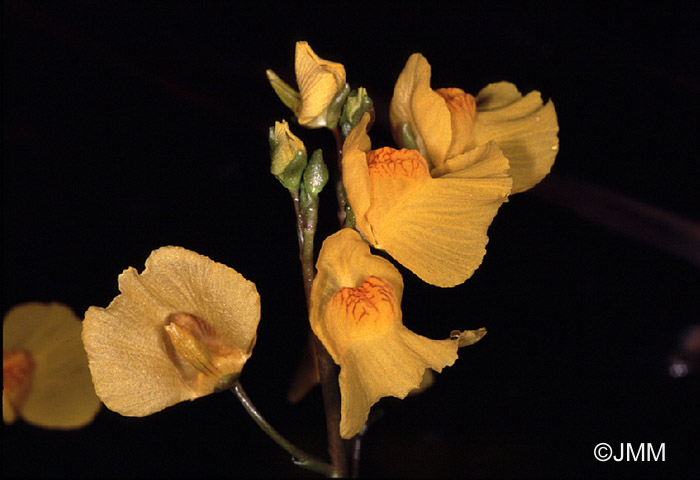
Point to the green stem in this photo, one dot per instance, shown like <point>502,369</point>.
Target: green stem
<point>306,252</point>
<point>339,186</point>
<point>299,457</point>
<point>307,217</point>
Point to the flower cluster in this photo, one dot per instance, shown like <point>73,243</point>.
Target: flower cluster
<point>428,204</point>
<point>186,325</point>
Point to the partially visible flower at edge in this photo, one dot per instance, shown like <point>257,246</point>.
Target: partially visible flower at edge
<point>45,376</point>
<point>182,329</point>
<point>320,82</point>
<point>436,227</point>
<point>355,311</point>
<point>446,123</point>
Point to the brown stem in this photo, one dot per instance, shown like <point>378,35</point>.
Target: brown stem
<point>356,448</point>
<point>328,373</point>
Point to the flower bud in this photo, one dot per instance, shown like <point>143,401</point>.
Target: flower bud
<point>288,155</point>
<point>316,174</point>
<point>322,89</point>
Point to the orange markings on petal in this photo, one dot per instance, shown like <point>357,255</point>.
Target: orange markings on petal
<point>195,326</point>
<point>394,177</point>
<point>458,101</point>
<point>17,375</point>
<point>397,163</point>
<point>196,342</point>
<point>367,310</point>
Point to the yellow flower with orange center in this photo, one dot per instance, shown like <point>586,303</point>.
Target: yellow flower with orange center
<point>45,376</point>
<point>355,311</point>
<point>320,82</point>
<point>182,329</point>
<point>444,124</point>
<point>436,227</point>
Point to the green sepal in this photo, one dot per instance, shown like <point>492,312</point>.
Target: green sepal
<point>408,141</point>
<point>289,96</point>
<point>290,177</point>
<point>226,382</point>
<point>357,104</point>
<point>335,107</point>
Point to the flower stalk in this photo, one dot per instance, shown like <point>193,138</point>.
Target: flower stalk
<point>299,457</point>
<point>306,204</point>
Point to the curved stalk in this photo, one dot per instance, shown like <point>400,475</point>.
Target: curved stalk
<point>299,457</point>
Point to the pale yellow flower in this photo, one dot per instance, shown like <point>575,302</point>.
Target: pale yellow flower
<point>320,82</point>
<point>45,376</point>
<point>355,311</point>
<point>446,123</point>
<point>436,227</point>
<point>181,329</point>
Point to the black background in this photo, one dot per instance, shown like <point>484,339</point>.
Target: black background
<point>129,126</point>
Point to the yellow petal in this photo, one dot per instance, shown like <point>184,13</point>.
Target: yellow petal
<point>394,178</point>
<point>9,414</point>
<point>524,128</point>
<point>462,107</point>
<point>400,108</point>
<point>425,111</point>
<point>391,364</point>
<point>433,121</point>
<point>468,337</point>
<point>355,312</point>
<point>136,368</point>
<point>319,82</point>
<point>62,395</point>
<point>344,262</point>
<point>358,138</point>
<point>356,175</point>
<point>496,96</point>
<point>436,227</point>
<point>17,379</point>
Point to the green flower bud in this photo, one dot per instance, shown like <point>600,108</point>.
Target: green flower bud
<point>288,155</point>
<point>357,104</point>
<point>316,174</point>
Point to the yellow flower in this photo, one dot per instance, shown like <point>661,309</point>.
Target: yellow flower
<point>320,82</point>
<point>355,311</point>
<point>436,227</point>
<point>180,330</point>
<point>446,123</point>
<point>45,376</point>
